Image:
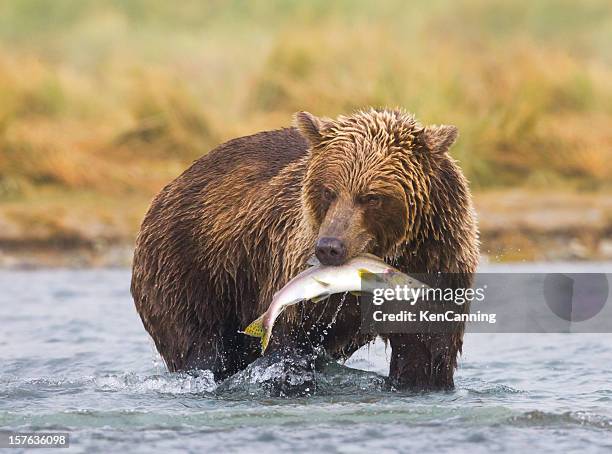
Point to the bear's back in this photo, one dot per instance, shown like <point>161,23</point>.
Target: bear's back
<point>260,156</point>
<point>220,197</point>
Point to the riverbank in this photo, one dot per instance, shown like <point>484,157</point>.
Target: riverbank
<point>516,226</point>
<point>545,226</point>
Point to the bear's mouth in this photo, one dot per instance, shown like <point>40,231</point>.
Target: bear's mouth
<point>368,247</point>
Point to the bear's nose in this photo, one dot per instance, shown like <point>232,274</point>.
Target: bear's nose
<point>330,251</point>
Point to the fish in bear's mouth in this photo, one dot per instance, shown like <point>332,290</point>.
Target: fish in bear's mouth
<point>320,281</point>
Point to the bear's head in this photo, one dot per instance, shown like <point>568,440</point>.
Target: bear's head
<point>370,178</point>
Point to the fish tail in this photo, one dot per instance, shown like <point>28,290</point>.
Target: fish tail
<point>256,328</point>
<point>264,342</point>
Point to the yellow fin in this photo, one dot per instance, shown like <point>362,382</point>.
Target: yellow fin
<point>363,273</point>
<point>367,274</point>
<point>256,328</point>
<point>264,342</point>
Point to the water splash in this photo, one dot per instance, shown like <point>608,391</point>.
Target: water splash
<point>195,382</point>
<point>334,318</point>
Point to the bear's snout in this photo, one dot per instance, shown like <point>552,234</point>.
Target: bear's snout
<point>331,251</point>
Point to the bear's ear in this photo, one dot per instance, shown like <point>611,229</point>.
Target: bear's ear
<point>310,127</point>
<point>439,139</point>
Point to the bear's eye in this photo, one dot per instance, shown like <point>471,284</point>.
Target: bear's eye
<point>328,195</point>
<point>372,200</point>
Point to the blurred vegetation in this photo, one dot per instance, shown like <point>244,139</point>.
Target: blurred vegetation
<point>109,100</point>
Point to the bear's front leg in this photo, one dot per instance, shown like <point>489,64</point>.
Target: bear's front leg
<point>288,367</point>
<point>424,362</point>
<point>293,371</point>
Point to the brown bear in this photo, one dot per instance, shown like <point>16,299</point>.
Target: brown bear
<point>223,237</point>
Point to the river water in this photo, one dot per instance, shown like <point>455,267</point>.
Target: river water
<point>76,358</point>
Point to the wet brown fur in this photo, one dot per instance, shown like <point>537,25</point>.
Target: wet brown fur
<point>223,237</point>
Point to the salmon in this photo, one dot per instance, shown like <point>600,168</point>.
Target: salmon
<point>319,282</point>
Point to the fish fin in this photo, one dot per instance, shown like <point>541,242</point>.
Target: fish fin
<point>265,339</point>
<point>316,299</point>
<point>323,283</point>
<point>357,293</point>
<point>313,261</point>
<point>256,328</point>
<point>368,275</point>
